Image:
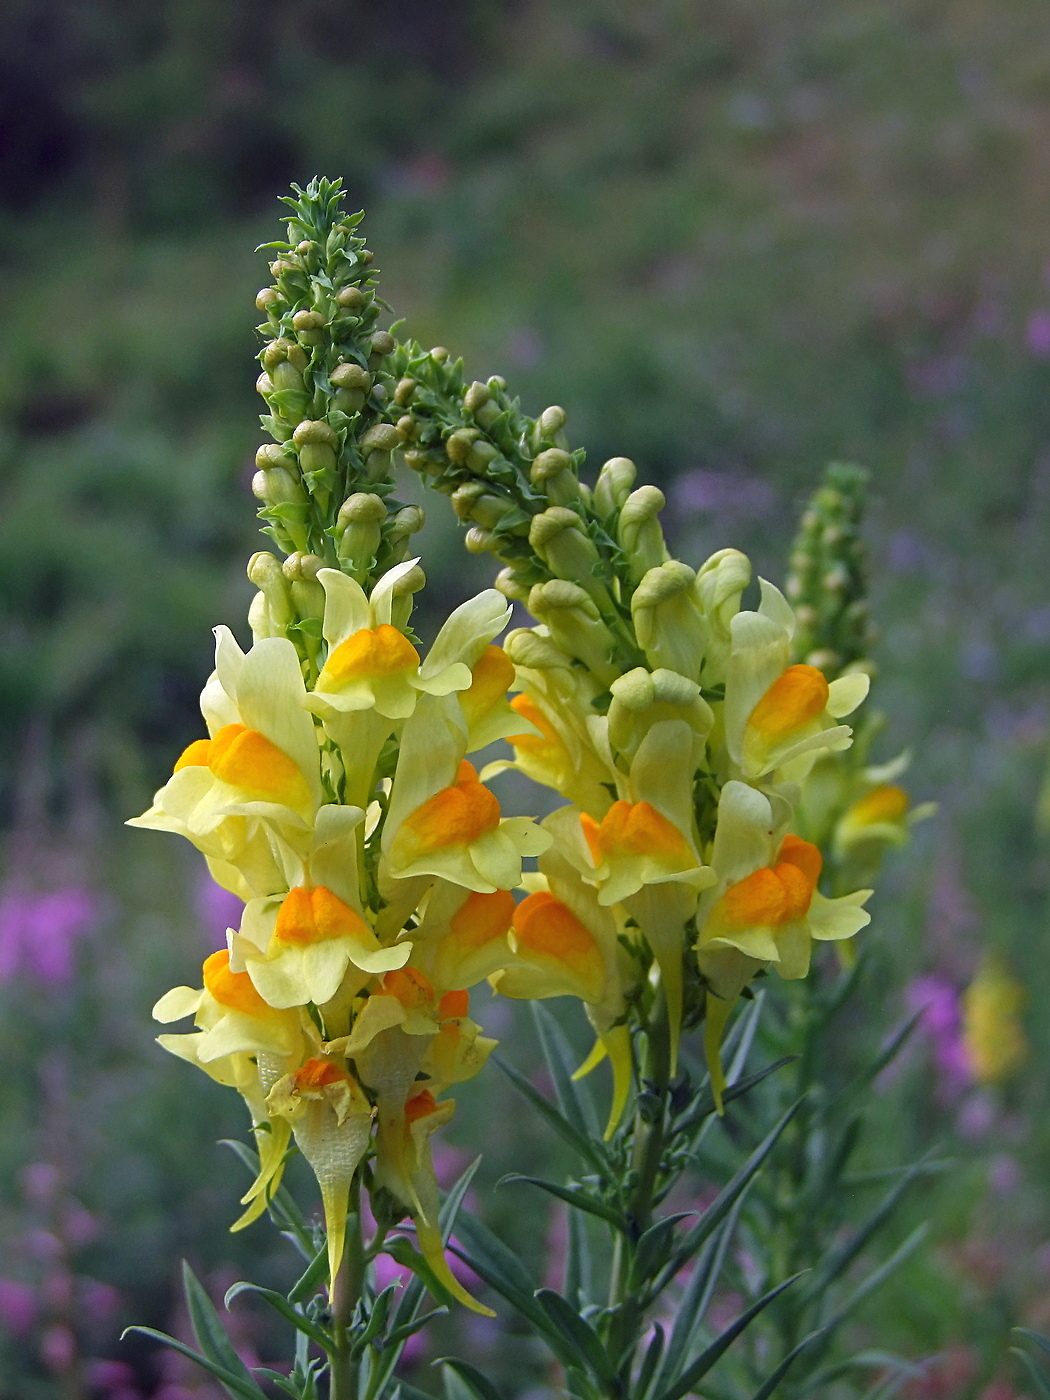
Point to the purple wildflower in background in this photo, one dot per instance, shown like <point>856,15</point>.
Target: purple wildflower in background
<point>728,495</point>
<point>938,1000</point>
<point>217,910</point>
<point>39,930</point>
<point>1037,334</point>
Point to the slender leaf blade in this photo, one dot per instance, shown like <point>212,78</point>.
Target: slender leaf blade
<point>574,1096</point>
<point>209,1331</point>
<point>232,1384</point>
<point>589,1150</point>
<point>578,1199</point>
<point>477,1383</point>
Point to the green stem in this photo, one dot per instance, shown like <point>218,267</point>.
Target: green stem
<point>345,1294</point>
<point>647,1150</point>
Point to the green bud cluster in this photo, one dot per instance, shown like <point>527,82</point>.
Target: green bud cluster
<point>827,580</point>
<point>325,481</point>
<point>574,554</point>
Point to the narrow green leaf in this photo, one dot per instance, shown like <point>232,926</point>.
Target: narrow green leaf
<point>232,1384</point>
<point>403,1252</point>
<point>705,1105</point>
<point>748,1022</point>
<point>652,1248</point>
<point>579,1335</point>
<point>699,1368</point>
<point>409,1329</point>
<point>1034,1373</point>
<point>209,1331</point>
<point>875,1280</point>
<point>574,1097</point>
<point>720,1206</point>
<point>311,1280</point>
<point>769,1385</point>
<point>839,1260</point>
<point>477,1384</point>
<point>502,1270</point>
<point>282,1208</point>
<point>650,1363</point>
<point>1043,1343</point>
<point>886,1056</point>
<point>281,1305</point>
<point>410,1392</point>
<point>697,1296</point>
<point>412,1297</point>
<point>589,1149</point>
<point>577,1198</point>
<point>578,1262</point>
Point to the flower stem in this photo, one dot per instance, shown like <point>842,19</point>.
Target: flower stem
<point>346,1291</point>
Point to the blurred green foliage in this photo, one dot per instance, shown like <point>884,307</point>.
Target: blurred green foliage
<point>734,239</point>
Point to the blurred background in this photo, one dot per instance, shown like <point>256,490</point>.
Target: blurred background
<point>734,239</point>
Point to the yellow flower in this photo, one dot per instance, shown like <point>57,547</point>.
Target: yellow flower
<point>995,1041</point>
<point>765,907</point>
<point>332,1121</point>
<point>883,817</point>
<point>443,821</point>
<point>779,716</point>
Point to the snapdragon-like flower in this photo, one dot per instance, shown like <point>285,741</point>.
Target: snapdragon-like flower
<point>765,908</point>
<point>779,717</point>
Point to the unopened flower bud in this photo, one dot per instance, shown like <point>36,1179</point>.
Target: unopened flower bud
<point>403,393</point>
<point>267,575</point>
<point>301,568</point>
<point>481,456</point>
<point>642,698</point>
<point>351,298</point>
<point>404,588</point>
<point>496,381</point>
<point>463,498</point>
<point>264,385</point>
<point>359,531</point>
<point>479,541</point>
<point>351,376</point>
<point>476,396</point>
<point>554,473</point>
<point>719,583</point>
<point>614,485</point>
<point>459,443</point>
<point>667,619</point>
<point>408,521</point>
<point>575,625</point>
<point>382,343</point>
<point>439,354</point>
<point>638,530</point>
<point>512,586</point>
<point>383,437</point>
<point>528,649</point>
<point>307,594</point>
<point>559,537</point>
<point>551,421</point>
<point>407,427</point>
<point>309,327</point>
<point>267,298</point>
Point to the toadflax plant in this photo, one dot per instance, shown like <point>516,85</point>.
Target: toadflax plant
<point>335,795</point>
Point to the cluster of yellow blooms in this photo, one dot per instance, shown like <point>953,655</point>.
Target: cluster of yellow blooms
<point>335,796</point>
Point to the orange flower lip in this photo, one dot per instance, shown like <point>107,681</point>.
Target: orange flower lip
<point>636,829</point>
<point>319,1072</point>
<point>454,1005</point>
<point>246,759</point>
<point>492,675</point>
<point>796,698</point>
<point>373,651</point>
<point>887,803</point>
<point>532,743</point>
<point>411,987</point>
<point>481,918</point>
<point>455,816</point>
<point>421,1105</point>
<point>546,926</point>
<point>310,916</point>
<point>771,896</point>
<point>233,989</point>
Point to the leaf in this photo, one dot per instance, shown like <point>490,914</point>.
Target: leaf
<point>502,1270</point>
<point>1034,1372</point>
<point>839,1260</point>
<point>769,1385</point>
<point>720,1206</point>
<point>580,1336</point>
<point>875,1280</point>
<point>231,1383</point>
<point>574,1096</point>
<point>699,1368</point>
<point>590,1150</point>
<point>209,1331</point>
<point>652,1248</point>
<point>578,1199</point>
<point>578,1262</point>
<point>740,1046</point>
<point>697,1296</point>
<point>280,1304</point>
<point>1043,1343</point>
<point>477,1384</point>
<point>316,1272</point>
<point>886,1055</point>
<point>411,1392</point>
<point>705,1105</point>
<point>650,1362</point>
<point>281,1206</point>
<point>404,1253</point>
<point>412,1297</point>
